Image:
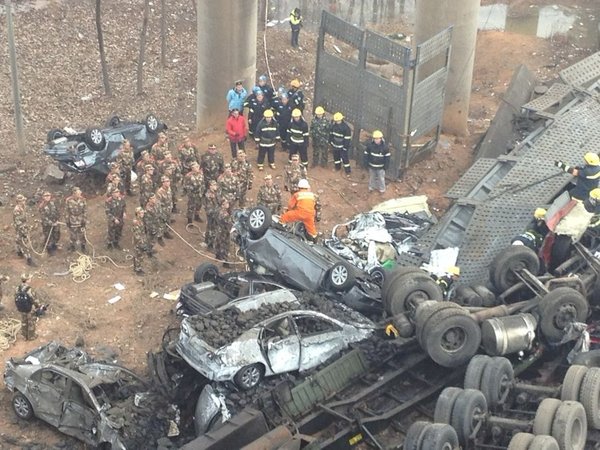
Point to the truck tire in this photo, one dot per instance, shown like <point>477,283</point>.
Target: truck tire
<point>569,427</point>
<point>588,359</point>
<point>571,385</point>
<point>508,261</point>
<point>392,275</point>
<point>475,371</point>
<point>560,307</point>
<point>206,272</point>
<point>452,337</point>
<point>520,441</point>
<point>445,404</point>
<point>425,312</point>
<point>439,436</point>
<point>406,296</point>
<point>589,396</point>
<point>544,416</point>
<point>415,434</point>
<point>543,443</point>
<point>497,380</point>
<point>468,412</point>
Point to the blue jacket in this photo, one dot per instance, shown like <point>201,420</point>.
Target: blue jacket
<point>236,99</point>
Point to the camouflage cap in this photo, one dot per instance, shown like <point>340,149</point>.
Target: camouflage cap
<point>212,146</point>
<point>227,166</point>
<point>20,198</point>
<point>139,209</point>
<point>268,177</point>
<point>162,135</point>
<point>46,194</point>
<point>212,182</point>
<point>148,167</point>
<point>75,189</point>
<point>194,164</point>
<point>145,152</point>
<point>164,178</point>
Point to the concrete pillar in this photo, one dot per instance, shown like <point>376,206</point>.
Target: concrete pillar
<point>226,52</point>
<point>432,17</point>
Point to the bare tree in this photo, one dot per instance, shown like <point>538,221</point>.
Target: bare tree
<point>105,80</point>
<point>140,88</point>
<point>163,33</point>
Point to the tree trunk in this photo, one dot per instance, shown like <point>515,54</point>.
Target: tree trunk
<point>163,33</point>
<point>105,80</point>
<point>14,78</point>
<point>140,66</point>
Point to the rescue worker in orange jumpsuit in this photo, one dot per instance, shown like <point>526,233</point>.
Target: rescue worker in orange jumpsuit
<point>304,207</point>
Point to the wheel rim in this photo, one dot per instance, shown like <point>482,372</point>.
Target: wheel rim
<point>250,376</point>
<point>476,418</point>
<point>96,136</point>
<point>453,339</point>
<point>377,277</point>
<point>339,275</point>
<point>21,406</point>
<point>413,300</point>
<point>577,437</point>
<point>447,446</point>
<point>257,218</point>
<point>152,123</point>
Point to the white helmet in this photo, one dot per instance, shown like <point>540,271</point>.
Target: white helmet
<point>303,184</point>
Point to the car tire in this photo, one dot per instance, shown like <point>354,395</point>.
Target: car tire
<point>259,220</point>
<point>54,133</point>
<point>520,441</point>
<point>497,381</point>
<point>589,396</point>
<point>571,384</point>
<point>561,250</point>
<point>377,275</point>
<point>22,406</point>
<point>445,404</point>
<point>206,272</point>
<point>113,121</point>
<point>151,123</point>
<point>560,307</point>
<point>340,276</point>
<point>94,138</point>
<point>588,359</point>
<point>512,258</point>
<point>405,296</point>
<point>475,370</point>
<point>544,416</point>
<point>415,434</point>
<point>439,436</point>
<point>468,410</point>
<point>249,376</point>
<point>543,443</point>
<point>451,337</point>
<point>569,426</point>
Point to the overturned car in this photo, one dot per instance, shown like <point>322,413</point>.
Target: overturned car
<point>99,403</point>
<point>94,148</point>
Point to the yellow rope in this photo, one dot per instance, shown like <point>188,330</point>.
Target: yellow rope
<point>9,329</point>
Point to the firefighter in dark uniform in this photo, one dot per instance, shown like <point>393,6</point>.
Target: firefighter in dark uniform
<point>267,135</point>
<point>256,109</point>
<point>340,138</point>
<point>588,175</point>
<point>283,114</point>
<point>298,137</point>
<point>536,231</point>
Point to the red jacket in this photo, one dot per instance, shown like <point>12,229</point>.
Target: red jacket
<point>236,128</point>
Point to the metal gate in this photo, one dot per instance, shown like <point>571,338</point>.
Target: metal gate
<point>408,110</point>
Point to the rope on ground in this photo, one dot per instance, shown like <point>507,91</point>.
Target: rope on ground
<point>9,330</point>
<point>29,243</point>
<point>196,228</point>
<point>80,270</point>
<point>212,258</point>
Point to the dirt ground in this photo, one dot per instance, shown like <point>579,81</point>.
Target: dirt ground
<point>61,85</point>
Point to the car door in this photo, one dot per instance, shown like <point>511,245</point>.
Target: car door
<point>46,390</point>
<point>79,414</point>
<point>319,340</point>
<point>281,345</point>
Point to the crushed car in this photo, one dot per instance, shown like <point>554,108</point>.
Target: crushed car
<point>267,334</point>
<point>92,150</point>
<point>98,403</point>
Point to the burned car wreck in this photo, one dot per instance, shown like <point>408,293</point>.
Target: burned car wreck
<point>98,403</point>
<point>94,148</point>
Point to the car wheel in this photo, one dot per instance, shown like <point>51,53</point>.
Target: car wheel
<point>377,275</point>
<point>113,121</point>
<point>558,309</point>
<point>94,138</point>
<point>22,406</point>
<point>249,376</point>
<point>340,276</point>
<point>151,123</point>
<point>54,133</point>
<point>259,220</point>
<point>206,272</point>
<point>510,260</point>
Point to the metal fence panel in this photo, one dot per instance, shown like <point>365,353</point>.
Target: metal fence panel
<point>384,48</point>
<point>428,104</point>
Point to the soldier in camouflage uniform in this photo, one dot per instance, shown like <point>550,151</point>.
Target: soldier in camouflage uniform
<point>50,228</point>
<point>211,164</point>
<point>243,170</point>
<point>224,222</point>
<point>212,202</point>
<point>145,160</point>
<point>161,146</point>
<point>141,243</point>
<point>229,186</point>
<point>319,133</point>
<point>153,221</point>
<point>269,195</point>
<point>188,154</point>
<point>115,183</point>
<point>76,219</point>
<point>193,187</point>
<point>170,167</point>
<point>22,229</point>
<point>3,279</point>
<point>125,162</point>
<point>27,318</point>
<point>147,184</point>
<point>294,172</point>
<point>164,198</point>
<point>115,215</point>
